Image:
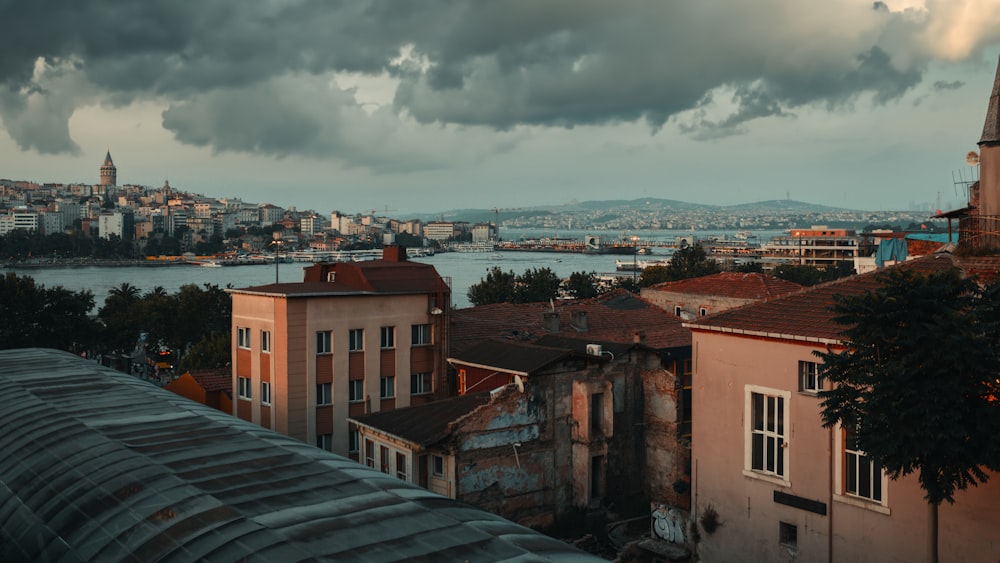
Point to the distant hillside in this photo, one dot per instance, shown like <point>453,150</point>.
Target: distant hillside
<point>622,206</point>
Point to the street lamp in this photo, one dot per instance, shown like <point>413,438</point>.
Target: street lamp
<point>635,264</point>
<point>276,244</point>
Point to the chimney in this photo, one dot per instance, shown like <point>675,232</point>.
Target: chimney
<point>550,321</point>
<point>393,253</point>
<point>578,320</point>
<point>639,337</point>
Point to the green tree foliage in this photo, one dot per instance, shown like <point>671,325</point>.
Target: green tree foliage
<point>918,381</point>
<point>36,316</point>
<point>691,262</point>
<point>536,284</point>
<point>811,275</point>
<point>653,275</point>
<point>212,351</point>
<point>497,287</point>
<point>581,285</point>
<point>170,321</point>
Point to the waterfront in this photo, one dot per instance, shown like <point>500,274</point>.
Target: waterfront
<point>463,268</point>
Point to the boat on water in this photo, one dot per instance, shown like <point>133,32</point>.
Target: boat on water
<point>638,265</point>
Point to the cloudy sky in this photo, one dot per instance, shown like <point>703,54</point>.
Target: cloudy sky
<point>434,105</point>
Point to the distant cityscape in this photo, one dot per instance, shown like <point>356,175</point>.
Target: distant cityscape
<point>145,217</point>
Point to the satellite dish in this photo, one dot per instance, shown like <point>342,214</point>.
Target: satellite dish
<point>520,383</point>
<point>972,158</point>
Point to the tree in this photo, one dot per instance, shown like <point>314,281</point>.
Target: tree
<point>497,287</point>
<point>653,275</point>
<point>536,284</point>
<point>917,383</point>
<point>581,285</point>
<point>48,317</point>
<point>691,262</point>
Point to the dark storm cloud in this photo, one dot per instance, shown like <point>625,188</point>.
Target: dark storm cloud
<point>228,68</point>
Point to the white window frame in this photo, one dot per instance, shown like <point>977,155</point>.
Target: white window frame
<point>243,337</point>
<point>842,495</point>
<point>387,337</point>
<point>426,381</point>
<point>265,341</point>
<point>387,387</point>
<point>324,342</point>
<point>324,442</point>
<point>420,335</point>
<point>435,460</point>
<point>370,452</point>
<point>244,386</point>
<point>356,340</point>
<point>703,311</point>
<point>401,473</point>
<point>265,392</point>
<point>780,433</point>
<point>678,310</point>
<point>809,379</point>
<point>355,390</point>
<point>324,394</point>
<point>353,441</point>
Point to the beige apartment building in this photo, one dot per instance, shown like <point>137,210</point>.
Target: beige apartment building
<point>352,338</point>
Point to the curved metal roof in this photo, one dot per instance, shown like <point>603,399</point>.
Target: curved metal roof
<point>100,466</point>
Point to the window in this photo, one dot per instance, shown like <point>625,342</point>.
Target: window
<point>677,310</point>
<point>702,312</point>
<point>265,393</point>
<point>863,478</point>
<point>244,389</point>
<point>324,442</point>
<point>356,339</point>
<point>809,379</point>
<point>420,383</point>
<point>324,394</point>
<point>387,337</point>
<point>420,335</point>
<point>353,441</point>
<point>401,466</point>
<point>383,459</point>
<point>596,415</point>
<point>788,535</point>
<point>356,390</point>
<point>387,387</point>
<point>437,465</point>
<point>243,337</point>
<point>370,453</point>
<point>766,447</point>
<point>265,341</point>
<point>323,342</point>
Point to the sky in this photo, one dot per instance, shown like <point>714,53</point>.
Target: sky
<point>434,105</point>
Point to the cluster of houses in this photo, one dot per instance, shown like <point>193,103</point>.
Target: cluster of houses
<point>695,402</point>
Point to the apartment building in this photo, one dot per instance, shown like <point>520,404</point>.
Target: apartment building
<point>352,338</point>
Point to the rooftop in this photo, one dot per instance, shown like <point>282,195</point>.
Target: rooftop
<point>805,315</point>
<point>100,466</point>
<point>424,424</point>
<point>611,318</point>
<point>731,284</point>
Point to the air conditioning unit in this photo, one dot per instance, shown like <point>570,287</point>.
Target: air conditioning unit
<point>593,349</point>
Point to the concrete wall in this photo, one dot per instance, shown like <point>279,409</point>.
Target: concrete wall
<point>851,529</point>
<point>690,305</point>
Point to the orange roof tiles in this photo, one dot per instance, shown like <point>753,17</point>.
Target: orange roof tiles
<point>732,284</point>
<point>219,379</point>
<point>805,315</point>
<point>613,317</point>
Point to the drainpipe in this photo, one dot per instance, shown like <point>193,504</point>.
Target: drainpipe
<point>834,458</point>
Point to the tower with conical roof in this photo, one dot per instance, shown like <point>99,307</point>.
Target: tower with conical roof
<point>980,229</point>
<point>109,174</point>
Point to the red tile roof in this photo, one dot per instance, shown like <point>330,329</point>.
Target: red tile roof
<point>805,315</point>
<point>219,379</point>
<point>368,277</point>
<point>731,284</point>
<point>514,357</point>
<point>614,317</point>
<point>424,424</point>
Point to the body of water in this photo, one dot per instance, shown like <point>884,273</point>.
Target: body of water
<point>463,268</point>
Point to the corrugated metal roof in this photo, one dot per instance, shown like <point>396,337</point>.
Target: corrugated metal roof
<point>100,466</point>
<point>514,357</point>
<point>425,424</point>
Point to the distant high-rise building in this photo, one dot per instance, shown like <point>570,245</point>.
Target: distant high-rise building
<point>109,174</point>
